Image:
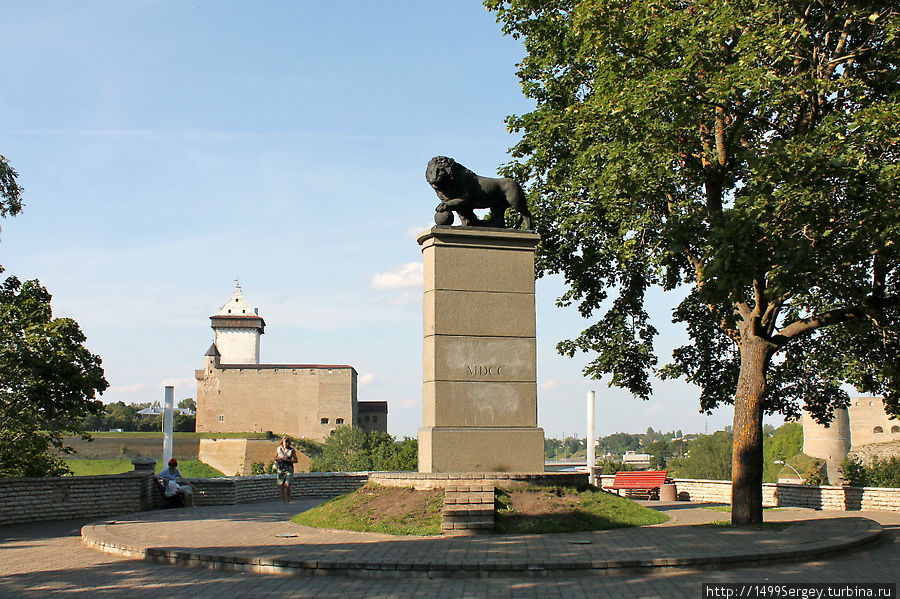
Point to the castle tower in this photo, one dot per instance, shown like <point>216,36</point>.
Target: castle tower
<point>237,327</point>
<point>830,443</point>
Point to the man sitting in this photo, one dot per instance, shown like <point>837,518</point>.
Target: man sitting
<point>174,484</point>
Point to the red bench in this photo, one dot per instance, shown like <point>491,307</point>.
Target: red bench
<point>646,483</point>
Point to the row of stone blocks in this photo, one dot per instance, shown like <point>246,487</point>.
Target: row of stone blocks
<point>468,509</point>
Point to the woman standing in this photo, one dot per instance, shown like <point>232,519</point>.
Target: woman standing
<point>285,458</point>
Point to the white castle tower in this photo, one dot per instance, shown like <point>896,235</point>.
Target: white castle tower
<point>238,327</point>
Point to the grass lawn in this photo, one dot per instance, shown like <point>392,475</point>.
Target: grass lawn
<point>405,511</point>
<point>188,468</point>
<point>566,509</point>
<point>373,508</point>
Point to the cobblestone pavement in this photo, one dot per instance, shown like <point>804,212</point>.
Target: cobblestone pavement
<point>37,560</point>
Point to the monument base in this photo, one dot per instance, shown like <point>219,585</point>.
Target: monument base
<point>481,449</point>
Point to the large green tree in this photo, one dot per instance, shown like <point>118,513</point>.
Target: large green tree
<point>748,150</point>
<point>48,379</point>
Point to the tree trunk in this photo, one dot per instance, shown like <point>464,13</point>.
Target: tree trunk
<point>747,454</point>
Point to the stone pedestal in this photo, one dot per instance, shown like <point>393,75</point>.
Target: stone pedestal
<point>480,362</point>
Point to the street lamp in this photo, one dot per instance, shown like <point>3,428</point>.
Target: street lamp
<point>783,463</point>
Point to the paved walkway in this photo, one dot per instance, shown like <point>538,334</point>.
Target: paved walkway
<point>49,559</point>
<point>260,538</point>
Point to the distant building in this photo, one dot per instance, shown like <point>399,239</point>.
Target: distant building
<point>638,460</point>
<point>236,393</point>
<point>156,409</point>
<point>372,416</point>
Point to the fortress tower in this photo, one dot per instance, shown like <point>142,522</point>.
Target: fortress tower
<point>830,443</point>
<point>237,327</point>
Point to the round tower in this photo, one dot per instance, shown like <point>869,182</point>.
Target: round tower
<point>830,443</point>
<point>237,327</point>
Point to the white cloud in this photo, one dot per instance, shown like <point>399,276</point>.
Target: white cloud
<point>179,383</point>
<point>410,402</point>
<point>408,275</point>
<point>366,378</point>
<point>125,389</point>
<point>549,384</point>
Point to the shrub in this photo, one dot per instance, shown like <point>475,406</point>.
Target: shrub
<point>881,473</point>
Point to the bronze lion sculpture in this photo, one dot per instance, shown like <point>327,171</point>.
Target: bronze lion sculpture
<point>462,191</point>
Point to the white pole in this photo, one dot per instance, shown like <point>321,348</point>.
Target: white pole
<point>168,414</point>
<point>591,458</point>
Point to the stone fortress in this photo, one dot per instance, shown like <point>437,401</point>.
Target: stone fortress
<point>859,429</point>
<point>236,393</point>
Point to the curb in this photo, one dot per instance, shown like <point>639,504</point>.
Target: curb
<point>867,532</point>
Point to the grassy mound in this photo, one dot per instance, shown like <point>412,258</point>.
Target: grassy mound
<point>373,508</point>
<point>404,511</point>
<point>566,509</point>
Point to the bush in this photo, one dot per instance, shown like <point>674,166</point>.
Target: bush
<point>881,473</point>
<point>260,468</point>
<point>350,449</point>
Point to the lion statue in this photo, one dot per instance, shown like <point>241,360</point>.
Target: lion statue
<point>462,191</point>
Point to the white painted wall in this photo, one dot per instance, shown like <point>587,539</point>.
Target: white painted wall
<point>238,346</point>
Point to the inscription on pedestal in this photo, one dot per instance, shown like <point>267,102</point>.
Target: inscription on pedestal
<point>483,371</point>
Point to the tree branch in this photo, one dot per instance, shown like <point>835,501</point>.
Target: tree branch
<point>806,326</point>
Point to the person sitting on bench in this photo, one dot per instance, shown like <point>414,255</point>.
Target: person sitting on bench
<point>173,483</point>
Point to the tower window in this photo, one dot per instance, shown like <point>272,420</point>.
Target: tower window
<point>324,421</point>
<point>221,417</point>
<point>895,429</point>
<point>229,311</point>
<point>366,418</point>
<point>877,429</point>
<point>374,417</point>
<point>341,421</point>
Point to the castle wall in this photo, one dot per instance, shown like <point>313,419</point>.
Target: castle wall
<point>866,417</point>
<point>304,401</point>
<point>235,457</point>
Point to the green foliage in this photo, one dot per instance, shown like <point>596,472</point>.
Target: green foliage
<point>562,449</point>
<point>187,403</point>
<point>619,443</point>
<point>350,449</point>
<point>612,466</point>
<point>120,415</point>
<point>48,381</point>
<point>709,457</point>
<point>750,151</point>
<point>10,191</point>
<point>881,473</point>
<point>257,468</point>
<point>783,444</point>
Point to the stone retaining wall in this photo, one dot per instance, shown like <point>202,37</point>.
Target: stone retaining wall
<point>790,495</point>
<point>65,497</point>
<point>424,481</point>
<point>61,498</point>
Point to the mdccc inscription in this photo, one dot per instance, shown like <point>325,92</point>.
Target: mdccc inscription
<point>489,370</point>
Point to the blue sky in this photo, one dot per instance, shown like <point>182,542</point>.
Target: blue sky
<point>168,148</point>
